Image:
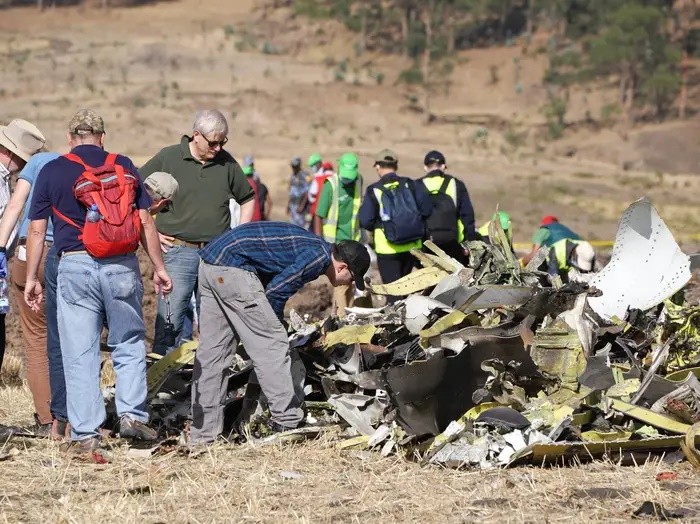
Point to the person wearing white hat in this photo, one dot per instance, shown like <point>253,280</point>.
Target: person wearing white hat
<point>19,140</point>
<point>570,258</point>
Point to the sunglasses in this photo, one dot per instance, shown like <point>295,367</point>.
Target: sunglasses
<point>214,143</point>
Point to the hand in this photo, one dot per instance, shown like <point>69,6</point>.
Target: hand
<point>166,242</point>
<point>3,264</point>
<point>33,294</point>
<point>161,282</point>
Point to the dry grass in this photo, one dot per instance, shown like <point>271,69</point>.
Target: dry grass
<point>245,483</point>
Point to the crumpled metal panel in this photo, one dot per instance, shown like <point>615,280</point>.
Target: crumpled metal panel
<point>647,266</point>
<point>418,310</point>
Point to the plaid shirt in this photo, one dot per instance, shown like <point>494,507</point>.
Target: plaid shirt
<point>284,256</point>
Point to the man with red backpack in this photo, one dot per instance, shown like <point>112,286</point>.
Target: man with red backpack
<point>99,208</point>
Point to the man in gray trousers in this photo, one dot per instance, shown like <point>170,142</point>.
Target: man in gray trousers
<point>246,276</point>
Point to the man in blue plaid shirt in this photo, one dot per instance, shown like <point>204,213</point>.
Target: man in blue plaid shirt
<point>246,276</point>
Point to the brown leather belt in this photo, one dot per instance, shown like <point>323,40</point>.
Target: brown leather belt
<point>196,245</point>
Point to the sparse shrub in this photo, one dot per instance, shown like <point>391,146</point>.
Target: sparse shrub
<point>411,76</point>
<point>608,113</point>
<point>229,30</point>
<point>555,111</point>
<point>514,138</point>
<point>270,49</point>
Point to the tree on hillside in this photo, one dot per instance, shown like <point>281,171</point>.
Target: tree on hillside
<point>685,14</point>
<point>633,46</point>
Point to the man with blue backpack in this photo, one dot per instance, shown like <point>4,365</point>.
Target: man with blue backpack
<point>394,210</point>
<point>452,219</point>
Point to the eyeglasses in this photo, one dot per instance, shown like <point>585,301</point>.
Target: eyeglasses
<point>214,143</point>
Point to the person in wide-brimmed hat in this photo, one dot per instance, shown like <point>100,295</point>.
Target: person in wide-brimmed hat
<point>19,140</point>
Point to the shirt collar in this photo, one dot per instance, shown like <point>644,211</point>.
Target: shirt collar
<point>86,148</point>
<point>185,148</point>
<point>436,172</point>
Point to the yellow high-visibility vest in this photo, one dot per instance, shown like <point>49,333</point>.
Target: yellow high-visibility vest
<point>433,185</point>
<point>484,231</point>
<point>382,246</point>
<point>330,223</point>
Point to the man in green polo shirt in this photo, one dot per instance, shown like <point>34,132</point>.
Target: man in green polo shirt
<point>208,177</point>
<point>336,216</point>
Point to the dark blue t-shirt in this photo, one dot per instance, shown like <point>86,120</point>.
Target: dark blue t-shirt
<point>54,188</point>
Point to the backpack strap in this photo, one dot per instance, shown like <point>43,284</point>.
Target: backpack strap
<point>111,159</point>
<point>64,218</point>
<point>75,158</point>
<point>446,179</point>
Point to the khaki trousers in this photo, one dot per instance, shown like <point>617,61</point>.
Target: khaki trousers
<point>35,354</point>
<point>234,307</point>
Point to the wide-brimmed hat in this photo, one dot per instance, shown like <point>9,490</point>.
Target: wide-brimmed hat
<point>21,138</point>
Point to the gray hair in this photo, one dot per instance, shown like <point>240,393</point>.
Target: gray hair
<point>210,122</point>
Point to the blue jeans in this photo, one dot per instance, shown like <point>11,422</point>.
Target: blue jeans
<point>91,290</point>
<point>56,378</point>
<point>182,264</point>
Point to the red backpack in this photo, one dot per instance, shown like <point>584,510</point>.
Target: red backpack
<point>113,189</point>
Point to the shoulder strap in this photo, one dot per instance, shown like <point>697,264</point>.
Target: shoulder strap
<point>75,158</point>
<point>64,218</point>
<point>446,179</point>
<point>111,159</point>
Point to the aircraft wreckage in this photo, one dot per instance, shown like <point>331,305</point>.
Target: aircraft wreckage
<point>493,364</point>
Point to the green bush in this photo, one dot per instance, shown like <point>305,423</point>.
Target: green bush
<point>411,76</point>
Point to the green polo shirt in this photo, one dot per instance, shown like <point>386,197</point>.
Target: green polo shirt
<point>200,210</point>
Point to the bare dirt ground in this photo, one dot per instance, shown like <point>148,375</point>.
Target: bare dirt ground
<point>315,482</point>
<point>278,78</point>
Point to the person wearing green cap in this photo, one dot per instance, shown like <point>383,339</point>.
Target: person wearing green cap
<point>506,224</point>
<point>336,217</point>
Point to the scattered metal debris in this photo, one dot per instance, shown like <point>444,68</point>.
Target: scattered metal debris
<point>495,365</point>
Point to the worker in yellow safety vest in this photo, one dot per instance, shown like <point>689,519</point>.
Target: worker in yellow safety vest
<point>567,257</point>
<point>336,216</point>
<point>394,210</point>
<point>452,218</point>
<point>506,224</point>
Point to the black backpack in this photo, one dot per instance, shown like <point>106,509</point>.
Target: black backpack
<point>442,224</point>
<point>401,220</point>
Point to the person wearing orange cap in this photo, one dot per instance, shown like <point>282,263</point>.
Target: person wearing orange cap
<point>550,232</point>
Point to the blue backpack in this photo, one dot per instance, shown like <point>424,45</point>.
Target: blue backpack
<point>401,220</point>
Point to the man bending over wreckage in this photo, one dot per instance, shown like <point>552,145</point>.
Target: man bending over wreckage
<point>246,276</point>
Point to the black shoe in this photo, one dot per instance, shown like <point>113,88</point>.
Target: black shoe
<point>135,429</point>
<point>39,429</point>
<point>275,427</point>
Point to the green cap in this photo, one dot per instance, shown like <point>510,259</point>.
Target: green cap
<point>314,159</point>
<point>386,156</point>
<point>348,166</point>
<point>505,219</point>
<point>248,170</point>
